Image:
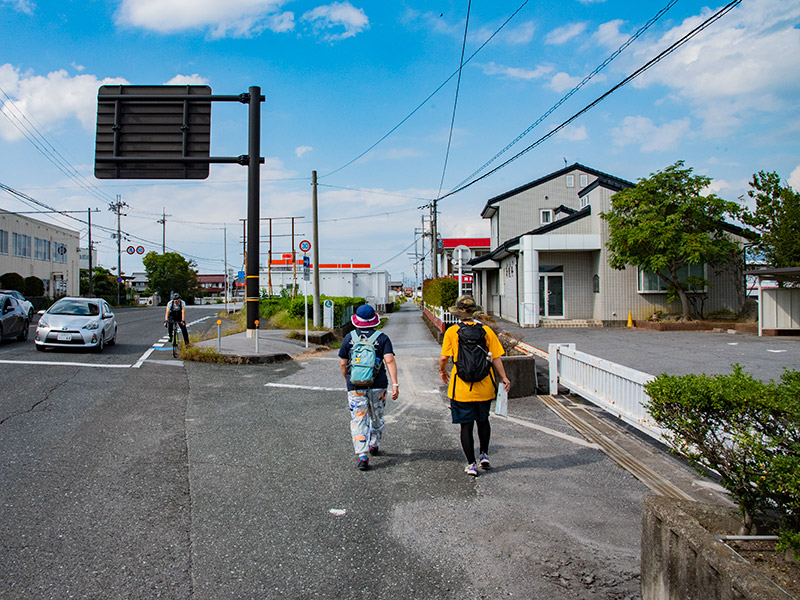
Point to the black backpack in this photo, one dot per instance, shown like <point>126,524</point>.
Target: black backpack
<point>473,362</point>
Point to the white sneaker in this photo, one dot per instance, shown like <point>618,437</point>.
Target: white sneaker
<point>485,462</point>
<point>472,469</point>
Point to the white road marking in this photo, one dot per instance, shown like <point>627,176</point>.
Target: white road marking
<point>312,388</point>
<point>775,351</point>
<point>548,431</point>
<point>63,364</point>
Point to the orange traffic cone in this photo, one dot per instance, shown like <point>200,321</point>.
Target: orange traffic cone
<point>630,320</point>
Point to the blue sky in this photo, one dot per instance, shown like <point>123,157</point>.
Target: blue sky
<point>339,76</point>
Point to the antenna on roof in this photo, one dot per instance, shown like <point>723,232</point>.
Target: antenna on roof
<point>565,161</point>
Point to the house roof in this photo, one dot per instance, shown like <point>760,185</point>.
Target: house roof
<point>506,247</point>
<point>780,273</point>
<point>609,181</point>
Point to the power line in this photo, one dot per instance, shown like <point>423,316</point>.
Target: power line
<point>583,82</point>
<point>713,18</point>
<point>431,95</point>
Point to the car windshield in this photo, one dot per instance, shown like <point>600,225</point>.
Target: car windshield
<point>75,307</point>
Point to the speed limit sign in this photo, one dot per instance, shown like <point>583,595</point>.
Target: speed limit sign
<point>305,245</point>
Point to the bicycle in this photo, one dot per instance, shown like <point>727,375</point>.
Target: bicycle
<point>173,338</point>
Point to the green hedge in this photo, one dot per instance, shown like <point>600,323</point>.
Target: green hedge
<point>442,291</point>
<point>745,430</point>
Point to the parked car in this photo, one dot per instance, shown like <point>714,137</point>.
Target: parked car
<point>14,319</point>
<point>26,304</point>
<point>75,323</point>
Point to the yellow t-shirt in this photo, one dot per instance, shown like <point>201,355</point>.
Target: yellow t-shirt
<point>481,390</point>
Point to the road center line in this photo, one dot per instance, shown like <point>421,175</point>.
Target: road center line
<point>306,387</point>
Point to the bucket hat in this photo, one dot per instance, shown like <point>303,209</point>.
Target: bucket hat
<point>365,317</point>
<point>465,308</point>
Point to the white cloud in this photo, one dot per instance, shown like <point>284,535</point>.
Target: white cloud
<point>515,72</point>
<point>235,18</point>
<point>743,64</point>
<point>193,79</point>
<point>573,133</point>
<point>564,34</point>
<point>794,179</point>
<point>608,34</point>
<point>522,34</point>
<point>301,150</point>
<point>561,82</point>
<point>648,136</point>
<point>324,18</point>
<point>48,100</point>
<point>23,6</point>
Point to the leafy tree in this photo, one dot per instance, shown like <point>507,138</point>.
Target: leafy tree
<point>34,286</point>
<point>776,220</point>
<point>12,281</point>
<point>664,224</point>
<point>104,284</point>
<point>170,272</point>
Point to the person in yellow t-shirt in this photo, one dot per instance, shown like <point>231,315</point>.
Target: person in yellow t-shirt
<point>470,402</point>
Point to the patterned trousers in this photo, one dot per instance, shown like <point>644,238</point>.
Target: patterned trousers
<point>366,417</point>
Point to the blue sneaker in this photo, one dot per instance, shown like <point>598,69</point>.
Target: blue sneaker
<point>472,469</point>
<point>485,462</point>
<point>363,462</point>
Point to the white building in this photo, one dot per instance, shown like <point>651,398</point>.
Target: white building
<point>34,248</point>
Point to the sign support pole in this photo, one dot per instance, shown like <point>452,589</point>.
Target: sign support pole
<point>252,295</point>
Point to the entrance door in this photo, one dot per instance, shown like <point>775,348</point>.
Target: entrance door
<point>551,295</point>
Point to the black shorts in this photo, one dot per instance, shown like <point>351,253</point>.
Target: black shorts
<point>467,412</point>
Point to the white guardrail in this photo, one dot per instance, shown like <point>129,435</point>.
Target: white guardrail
<point>617,389</point>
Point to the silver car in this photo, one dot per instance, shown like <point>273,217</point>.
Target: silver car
<point>13,319</point>
<point>77,323</point>
<point>26,304</point>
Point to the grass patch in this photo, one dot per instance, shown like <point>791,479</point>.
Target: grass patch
<point>208,355</point>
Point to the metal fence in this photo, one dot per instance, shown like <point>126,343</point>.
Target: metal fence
<point>617,389</point>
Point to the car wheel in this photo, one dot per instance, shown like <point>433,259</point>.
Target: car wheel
<point>100,344</point>
<point>113,340</point>
<point>25,330</point>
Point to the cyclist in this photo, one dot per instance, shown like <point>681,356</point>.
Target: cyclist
<point>176,314</point>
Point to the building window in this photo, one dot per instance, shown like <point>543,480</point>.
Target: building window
<point>650,282</point>
<point>585,201</point>
<point>596,284</point>
<point>3,242</point>
<point>41,249</point>
<point>59,252</point>
<point>570,181</point>
<point>21,244</point>
<point>545,216</point>
<point>584,179</point>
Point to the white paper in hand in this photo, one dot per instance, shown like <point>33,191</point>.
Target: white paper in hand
<point>501,406</point>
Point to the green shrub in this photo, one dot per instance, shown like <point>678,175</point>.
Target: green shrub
<point>12,281</point>
<point>442,291</point>
<point>34,287</point>
<point>745,430</point>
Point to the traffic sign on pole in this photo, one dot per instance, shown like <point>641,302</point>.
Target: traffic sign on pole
<point>305,246</point>
<point>131,250</point>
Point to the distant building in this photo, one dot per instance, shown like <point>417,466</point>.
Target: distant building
<point>213,284</point>
<point>33,248</point>
<point>477,247</point>
<point>139,283</point>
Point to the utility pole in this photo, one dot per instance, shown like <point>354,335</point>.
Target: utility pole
<point>117,208</point>
<point>434,243</point>
<point>163,223</point>
<point>91,266</point>
<point>225,261</point>
<point>315,250</point>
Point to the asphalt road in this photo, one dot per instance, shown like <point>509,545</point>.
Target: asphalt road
<point>142,477</point>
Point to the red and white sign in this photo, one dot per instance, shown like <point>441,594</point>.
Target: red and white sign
<point>464,278</point>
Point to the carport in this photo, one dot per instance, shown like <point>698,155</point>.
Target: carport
<point>778,307</point>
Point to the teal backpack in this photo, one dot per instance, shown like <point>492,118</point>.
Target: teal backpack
<point>363,359</point>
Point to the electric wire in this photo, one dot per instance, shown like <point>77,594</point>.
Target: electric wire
<point>674,46</point>
<point>572,92</point>
<point>431,95</point>
<point>455,100</point>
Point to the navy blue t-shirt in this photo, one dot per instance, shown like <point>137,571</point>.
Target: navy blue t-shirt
<point>383,346</point>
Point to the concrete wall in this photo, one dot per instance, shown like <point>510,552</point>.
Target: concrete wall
<point>681,559</point>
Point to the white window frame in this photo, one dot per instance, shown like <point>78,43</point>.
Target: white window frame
<point>41,249</point>
<point>585,201</point>
<point>3,241</point>
<point>545,216</point>
<point>646,279</point>
<point>570,181</point>
<point>21,245</point>
<point>59,258</point>
<point>584,180</point>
